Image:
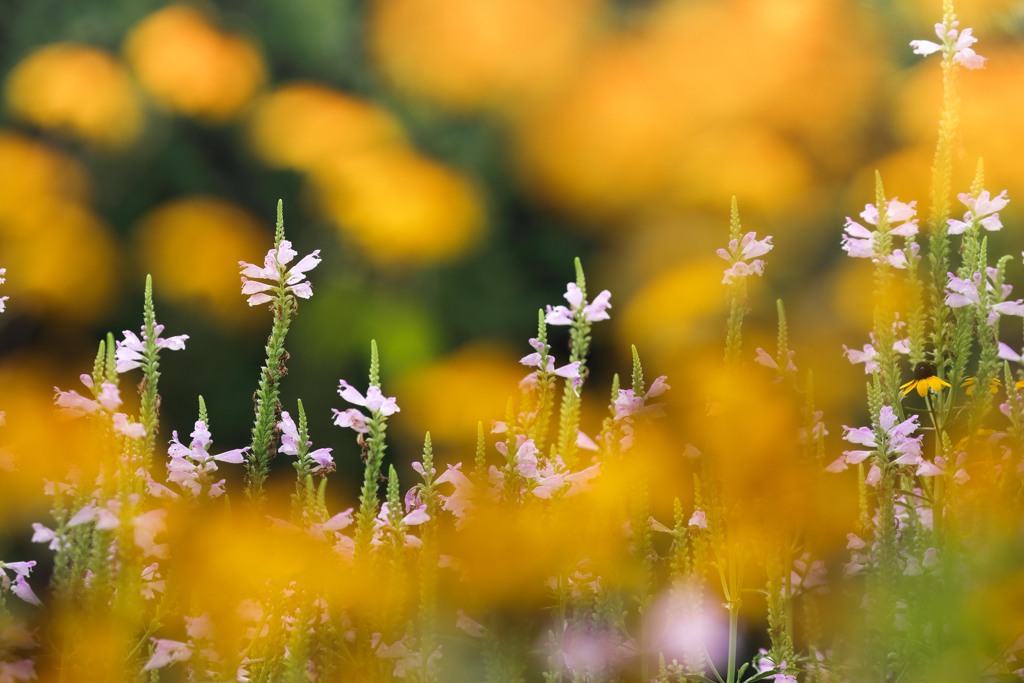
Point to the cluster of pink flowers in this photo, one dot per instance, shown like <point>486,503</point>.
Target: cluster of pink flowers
<point>962,292</point>
<point>190,467</point>
<point>868,354</point>
<point>130,353</point>
<point>896,441</point>
<point>579,308</point>
<point>3,299</point>
<point>280,277</point>
<point>106,402</point>
<point>863,242</point>
<point>628,404</point>
<point>952,42</point>
<point>374,401</point>
<point>742,256</point>
<point>19,586</point>
<point>321,457</point>
<point>982,210</point>
<point>570,371</point>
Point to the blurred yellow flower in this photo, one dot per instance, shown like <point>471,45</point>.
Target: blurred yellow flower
<point>706,95</point>
<point>211,235</point>
<point>606,144</point>
<point>478,379</point>
<point>32,173</point>
<point>190,66</point>
<point>62,258</point>
<point>741,157</point>
<point>467,54</point>
<point>680,310</point>
<point>75,89</point>
<point>302,123</point>
<point>400,207</point>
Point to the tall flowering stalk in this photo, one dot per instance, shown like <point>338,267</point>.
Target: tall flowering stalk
<point>956,49</point>
<point>280,286</point>
<point>371,429</point>
<point>135,352</point>
<point>743,255</point>
<point>579,316</point>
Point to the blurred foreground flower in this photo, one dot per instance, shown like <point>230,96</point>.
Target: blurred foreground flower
<point>76,89</point>
<point>190,66</point>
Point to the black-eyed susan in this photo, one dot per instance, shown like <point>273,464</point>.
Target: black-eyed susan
<point>925,380</point>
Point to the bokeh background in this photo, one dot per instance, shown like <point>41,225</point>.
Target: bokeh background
<point>449,160</point>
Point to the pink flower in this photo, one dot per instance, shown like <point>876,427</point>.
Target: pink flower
<point>962,292</point>
<point>982,210</point>
<point>698,519</point>
<point>167,652</point>
<point>469,626</point>
<point>20,586</point>
<point>569,371</point>
<point>954,42</point>
<point>868,356</point>
<point>3,299</point>
<point>130,353</point>
<point>20,670</point>
<point>274,269</point>
<point>105,517</point>
<point>629,404</point>
<point>152,584</point>
<point>595,311</point>
<point>133,430</point>
<point>145,528</point>
<point>350,419</point>
<point>108,398</point>
<point>374,401</point>
<point>290,446</point>
<point>897,442</point>
<point>862,242</point>
<point>460,501</point>
<point>764,359</point>
<point>190,466</point>
<point>739,255</point>
<point>44,534</point>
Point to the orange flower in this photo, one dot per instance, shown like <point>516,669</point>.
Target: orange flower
<point>487,373</point>
<point>76,89</point>
<point>300,124</point>
<point>32,174</point>
<point>468,54</point>
<point>213,234</point>
<point>190,66</point>
<point>61,258</point>
<point>400,207</point>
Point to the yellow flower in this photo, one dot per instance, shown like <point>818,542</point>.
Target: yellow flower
<point>300,124</point>
<point>468,54</point>
<point>33,174</point>
<point>212,235</point>
<point>188,65</point>
<point>968,385</point>
<point>76,89</point>
<point>400,207</point>
<point>61,259</point>
<point>925,380</point>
